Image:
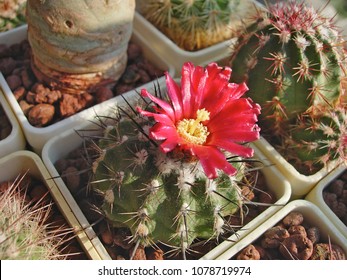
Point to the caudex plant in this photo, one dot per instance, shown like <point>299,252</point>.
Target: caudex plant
<point>170,167</point>
<point>26,232</point>
<point>196,24</point>
<point>78,46</point>
<point>294,60</point>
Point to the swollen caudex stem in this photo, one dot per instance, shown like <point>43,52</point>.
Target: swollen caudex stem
<point>162,198</point>
<point>79,45</point>
<point>294,62</point>
<point>195,24</point>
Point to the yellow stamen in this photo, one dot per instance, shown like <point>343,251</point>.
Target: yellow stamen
<point>193,130</point>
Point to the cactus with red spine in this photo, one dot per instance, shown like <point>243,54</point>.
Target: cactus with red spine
<point>294,61</point>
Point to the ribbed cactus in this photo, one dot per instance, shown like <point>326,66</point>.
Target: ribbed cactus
<point>12,14</point>
<point>160,197</point>
<point>79,45</point>
<point>159,178</point>
<point>294,62</point>
<point>194,24</point>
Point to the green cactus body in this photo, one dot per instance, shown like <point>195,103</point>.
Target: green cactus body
<point>162,198</point>
<point>194,24</point>
<point>294,61</point>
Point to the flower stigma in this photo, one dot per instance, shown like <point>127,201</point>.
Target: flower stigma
<point>193,130</point>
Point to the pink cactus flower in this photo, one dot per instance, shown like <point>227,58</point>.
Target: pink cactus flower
<point>206,117</point>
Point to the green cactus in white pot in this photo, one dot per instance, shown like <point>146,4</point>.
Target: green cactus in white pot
<point>172,172</point>
<point>294,61</point>
<point>195,24</point>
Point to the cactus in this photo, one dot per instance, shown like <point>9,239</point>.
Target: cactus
<point>12,14</point>
<point>168,180</point>
<point>197,24</point>
<point>79,45</point>
<point>25,230</point>
<point>294,61</point>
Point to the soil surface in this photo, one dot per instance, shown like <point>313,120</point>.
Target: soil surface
<point>293,238</point>
<point>44,105</point>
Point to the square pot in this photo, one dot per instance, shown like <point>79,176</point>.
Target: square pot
<point>311,213</point>
<point>175,55</point>
<point>15,141</point>
<point>316,197</point>
<point>301,184</point>
<point>61,145</point>
<point>36,136</point>
<point>26,161</point>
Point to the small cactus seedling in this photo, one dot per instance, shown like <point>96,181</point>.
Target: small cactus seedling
<point>196,24</point>
<point>294,62</point>
<point>12,14</point>
<point>25,230</point>
<point>171,174</point>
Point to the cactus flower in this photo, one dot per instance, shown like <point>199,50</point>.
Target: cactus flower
<point>205,117</point>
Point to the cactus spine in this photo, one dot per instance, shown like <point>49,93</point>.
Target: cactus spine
<point>25,230</point>
<point>294,62</point>
<point>194,24</point>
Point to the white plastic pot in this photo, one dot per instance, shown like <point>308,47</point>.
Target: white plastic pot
<point>312,215</point>
<point>18,163</point>
<point>316,197</point>
<point>301,184</point>
<point>176,56</point>
<point>61,145</point>
<point>15,141</point>
<point>37,137</point>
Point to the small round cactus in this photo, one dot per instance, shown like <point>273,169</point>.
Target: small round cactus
<point>196,24</point>
<point>172,174</point>
<point>294,62</point>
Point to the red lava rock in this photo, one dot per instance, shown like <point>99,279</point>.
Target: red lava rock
<point>140,253</point>
<point>103,94</point>
<point>7,65</point>
<point>19,93</point>
<point>43,94</point>
<point>296,247</point>
<point>297,230</point>
<point>293,219</point>
<point>5,125</point>
<point>274,236</point>
<point>249,253</point>
<point>13,82</point>
<point>155,254</point>
<point>28,78</point>
<point>41,115</point>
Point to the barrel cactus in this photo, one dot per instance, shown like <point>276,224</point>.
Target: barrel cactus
<point>294,61</point>
<point>171,174</point>
<point>79,45</point>
<point>196,24</point>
